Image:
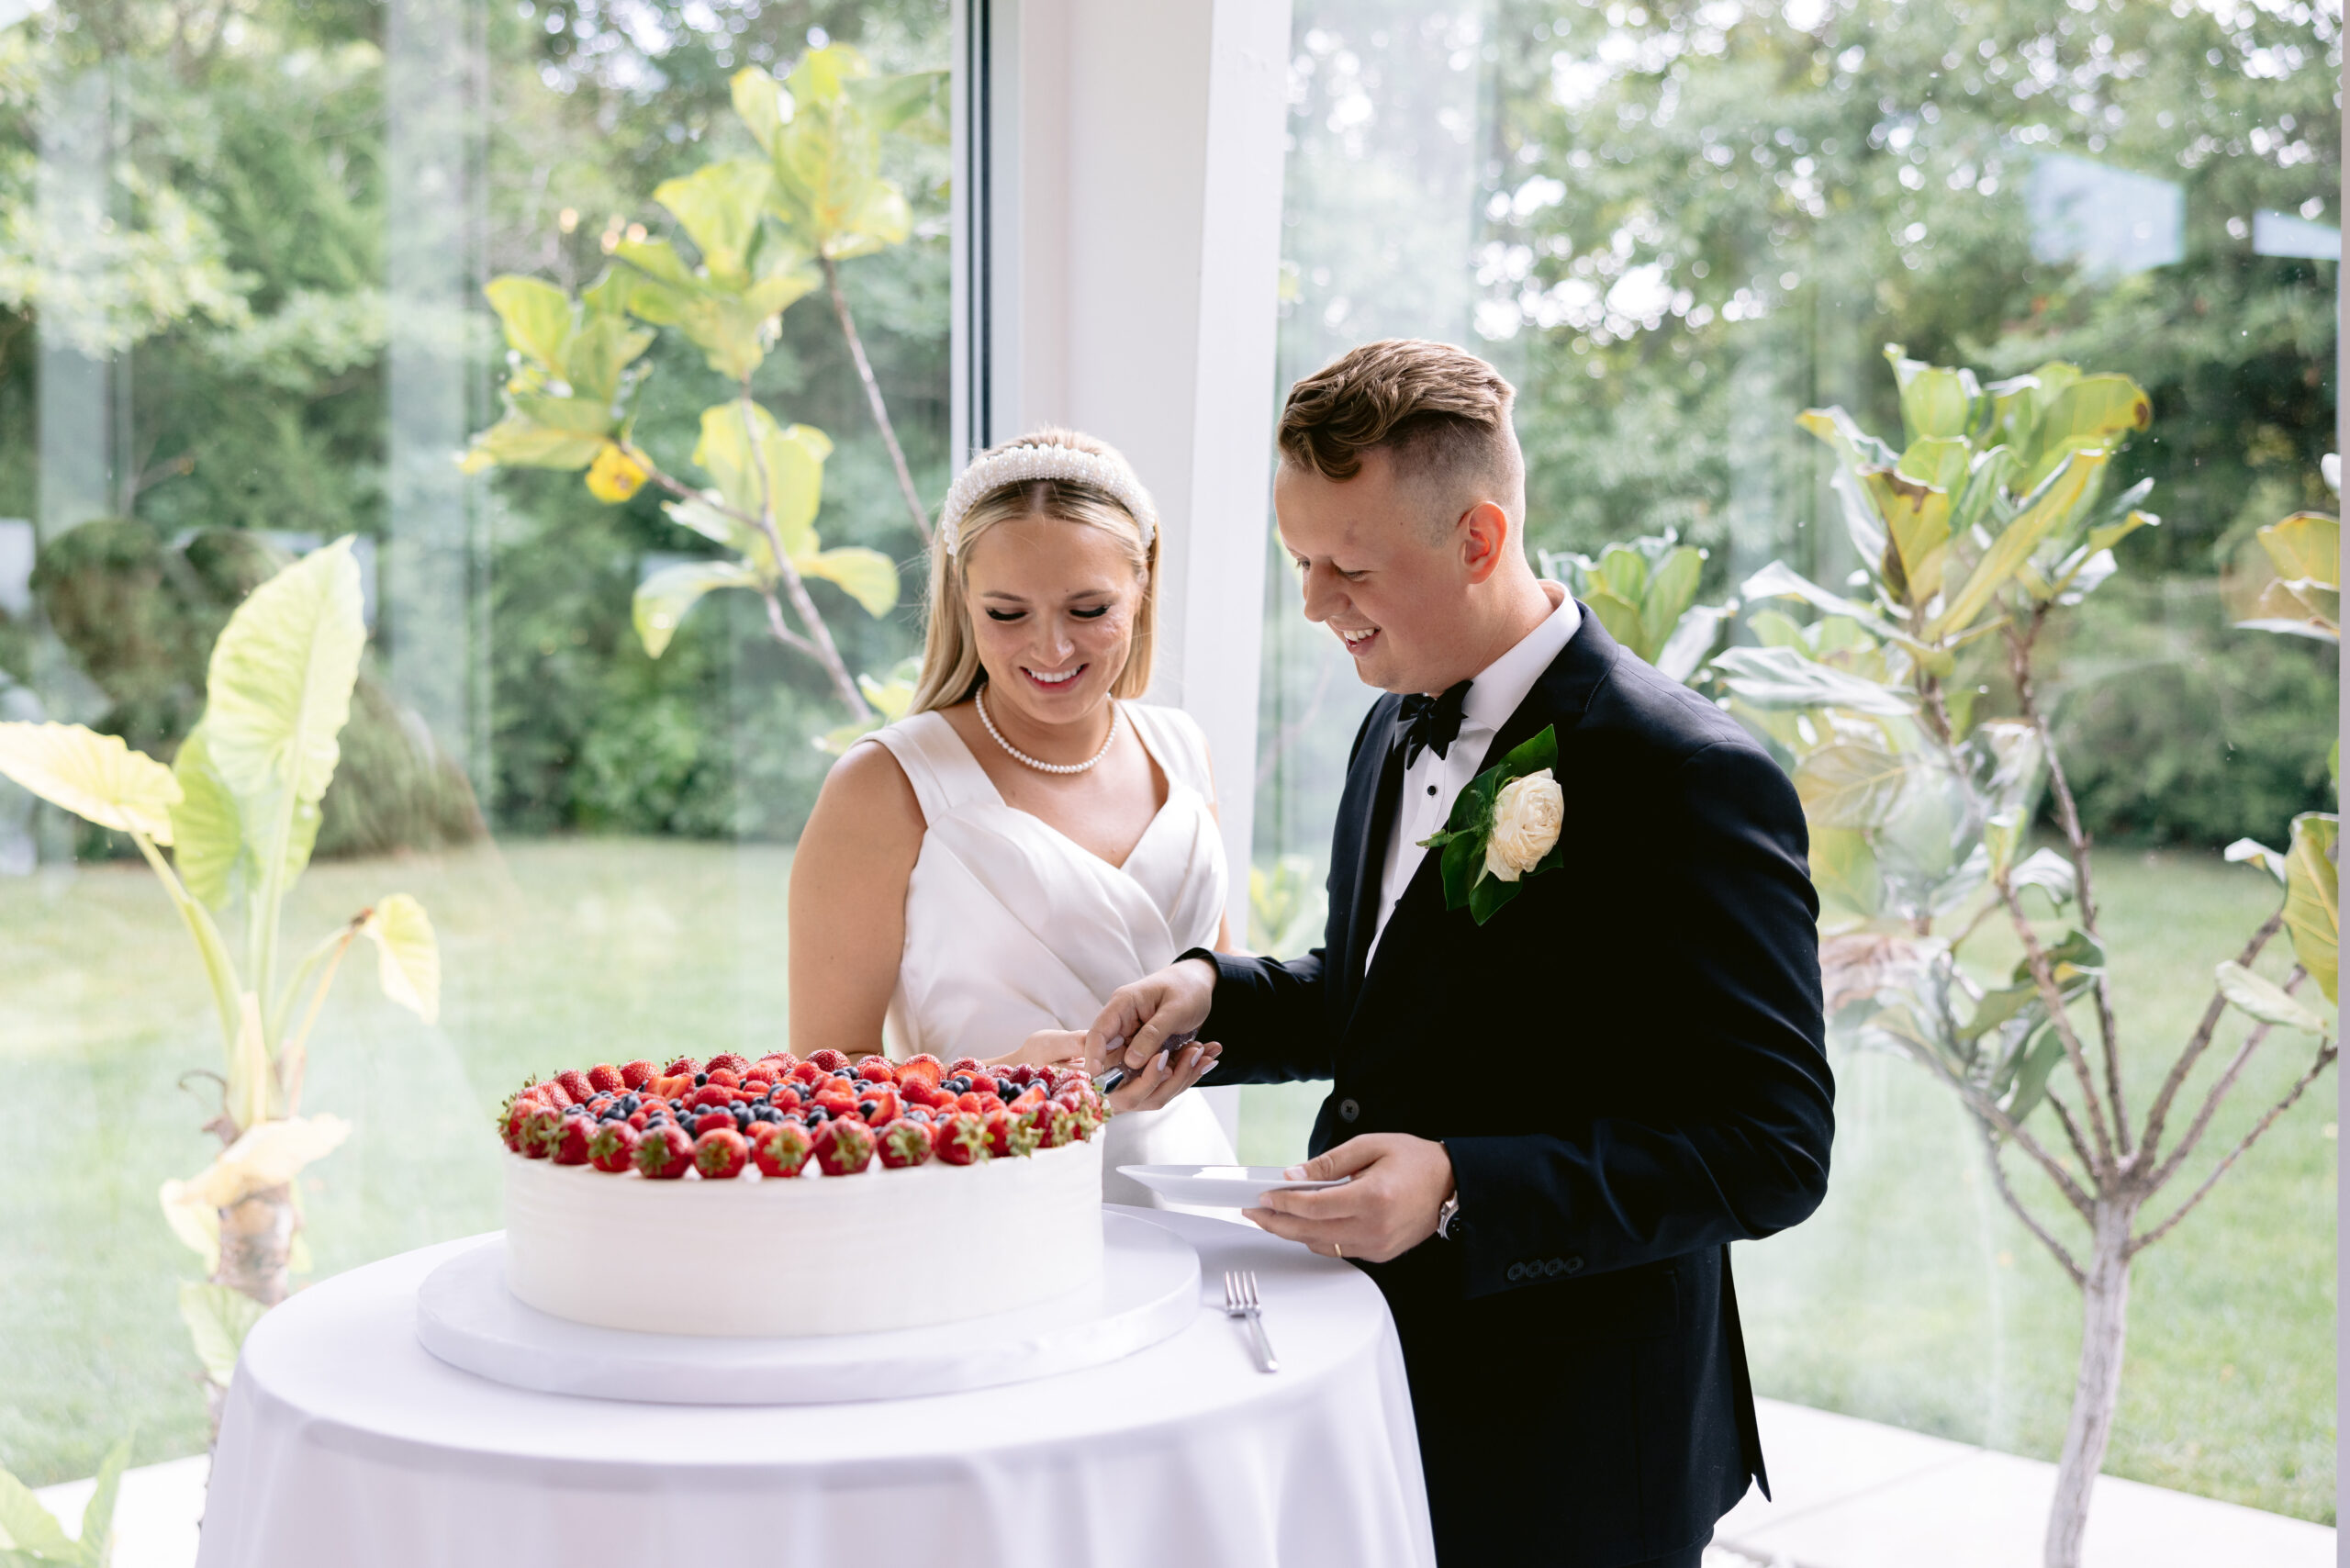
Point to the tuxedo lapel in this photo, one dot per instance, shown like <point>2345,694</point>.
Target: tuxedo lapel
<point>1557,700</point>
<point>1373,786</point>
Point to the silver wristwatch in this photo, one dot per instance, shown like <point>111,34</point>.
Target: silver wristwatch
<point>1445,1216</point>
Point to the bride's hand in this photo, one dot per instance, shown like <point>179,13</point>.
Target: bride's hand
<point>1165,1076</point>
<point>1046,1047</point>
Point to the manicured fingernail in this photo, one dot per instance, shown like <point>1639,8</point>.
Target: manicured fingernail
<point>1294,1173</point>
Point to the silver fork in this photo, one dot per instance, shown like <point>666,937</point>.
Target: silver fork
<point>1240,1301</point>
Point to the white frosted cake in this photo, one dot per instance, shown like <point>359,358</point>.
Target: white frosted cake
<point>825,1203</point>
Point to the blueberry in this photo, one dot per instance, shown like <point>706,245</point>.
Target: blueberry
<point>701,1079</point>
<point>960,1083</point>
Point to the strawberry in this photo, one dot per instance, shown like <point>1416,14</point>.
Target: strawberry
<point>666,1152</point>
<point>1009,1134</point>
<point>724,1077</point>
<point>781,1147</point>
<point>904,1144</point>
<point>719,1152</point>
<point>756,1085</point>
<point>613,1147</point>
<point>732,1061</point>
<point>837,1102</point>
<point>844,1146</point>
<point>960,1139</point>
<point>808,1073</point>
<point>711,1120</point>
<point>986,1083</point>
<point>828,1061</point>
<point>784,1097</point>
<point>1056,1123</point>
<point>539,1131</point>
<point>709,1094</point>
<point>990,1100</point>
<point>878,1104</point>
<point>636,1119</point>
<point>638,1073</point>
<point>606,1077</point>
<point>928,1068</point>
<point>877,1070</point>
<point>962,1064</point>
<point>575,1083</point>
<point>684,1067</point>
<point>776,1064</point>
<point>914,1092</point>
<point>552,1095</point>
<point>1027,1100</point>
<point>569,1144</point>
<point>673,1086</point>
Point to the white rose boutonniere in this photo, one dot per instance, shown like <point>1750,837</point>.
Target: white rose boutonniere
<point>1528,814</point>
<point>1505,828</point>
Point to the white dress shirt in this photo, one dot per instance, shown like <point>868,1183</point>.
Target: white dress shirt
<point>1431,782</point>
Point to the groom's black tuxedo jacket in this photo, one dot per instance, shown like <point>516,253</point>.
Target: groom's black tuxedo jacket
<point>1626,1066</point>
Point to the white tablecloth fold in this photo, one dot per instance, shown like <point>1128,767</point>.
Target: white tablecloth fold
<point>344,1441</point>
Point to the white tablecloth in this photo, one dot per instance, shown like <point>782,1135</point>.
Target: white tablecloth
<point>345,1442</point>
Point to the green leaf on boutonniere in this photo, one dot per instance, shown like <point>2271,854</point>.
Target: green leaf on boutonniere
<point>1467,884</point>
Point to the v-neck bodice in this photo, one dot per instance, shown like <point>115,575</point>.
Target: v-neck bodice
<point>1012,926</point>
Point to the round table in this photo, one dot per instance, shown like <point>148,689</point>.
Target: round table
<point>345,1441</point>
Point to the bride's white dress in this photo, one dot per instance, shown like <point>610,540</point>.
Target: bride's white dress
<point>1012,926</point>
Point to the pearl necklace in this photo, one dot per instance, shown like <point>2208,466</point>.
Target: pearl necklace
<point>980,700</point>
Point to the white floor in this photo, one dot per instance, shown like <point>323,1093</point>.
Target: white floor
<point>1851,1494</point>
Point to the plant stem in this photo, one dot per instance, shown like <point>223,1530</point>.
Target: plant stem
<point>2326,1052</point>
<point>2077,841</point>
<point>2105,1323</point>
<point>293,1054</point>
<point>210,946</point>
<point>873,397</point>
<point>819,635</point>
<point>2051,996</point>
<point>2201,1041</point>
<point>2015,1204</point>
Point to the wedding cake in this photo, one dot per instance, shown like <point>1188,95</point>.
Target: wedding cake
<point>785,1198</point>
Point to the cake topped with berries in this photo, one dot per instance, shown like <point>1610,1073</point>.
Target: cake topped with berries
<point>978,1191</point>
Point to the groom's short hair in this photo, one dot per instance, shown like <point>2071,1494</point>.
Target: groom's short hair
<point>1441,412</point>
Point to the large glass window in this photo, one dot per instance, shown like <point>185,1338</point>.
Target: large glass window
<point>247,280</point>
<point>1676,226</point>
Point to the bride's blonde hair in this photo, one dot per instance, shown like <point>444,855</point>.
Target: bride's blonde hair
<point>950,656</point>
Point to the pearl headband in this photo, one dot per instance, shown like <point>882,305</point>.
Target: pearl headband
<point>1027,464</point>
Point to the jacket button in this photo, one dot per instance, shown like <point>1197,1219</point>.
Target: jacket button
<point>1517,1272</point>
<point>1348,1109</point>
<point>1554,1267</point>
<point>1574,1265</point>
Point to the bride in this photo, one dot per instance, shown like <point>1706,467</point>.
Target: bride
<point>980,875</point>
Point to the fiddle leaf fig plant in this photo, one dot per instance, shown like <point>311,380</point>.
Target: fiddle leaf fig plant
<point>238,808</point>
<point>1996,515</point>
<point>1645,593</point>
<point>758,234</point>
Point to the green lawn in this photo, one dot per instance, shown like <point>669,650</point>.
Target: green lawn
<point>1914,1297</point>
<point>1910,1298</point>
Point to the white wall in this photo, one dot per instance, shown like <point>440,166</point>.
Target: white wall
<point>1119,212</point>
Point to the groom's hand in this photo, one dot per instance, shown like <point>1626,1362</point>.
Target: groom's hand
<point>1139,1019</point>
<point>1400,1183</point>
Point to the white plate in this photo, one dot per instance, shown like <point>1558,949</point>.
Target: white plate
<point>1220,1186</point>
<point>1150,1291</point>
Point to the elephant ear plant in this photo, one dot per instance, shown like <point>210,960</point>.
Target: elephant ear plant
<point>1992,519</point>
<point>239,810</point>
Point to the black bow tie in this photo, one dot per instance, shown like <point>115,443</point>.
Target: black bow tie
<point>1432,723</point>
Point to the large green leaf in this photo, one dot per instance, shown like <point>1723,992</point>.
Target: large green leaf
<point>762,105</point>
<point>519,442</point>
<point>1935,401</point>
<point>598,354</point>
<point>790,460</point>
<point>1622,616</point>
<point>407,959</point>
<point>2092,411</point>
<point>1783,678</point>
<point>94,776</point>
<point>2067,489</point>
<point>1672,588</point>
<point>2266,1000</point>
<point>209,845</point>
<point>663,599</point>
<point>537,316</point>
<point>97,1538</point>
<point>32,1529</point>
<point>866,575</point>
<point>1917,518</point>
<point>217,1320</point>
<point>279,693</point>
<point>1847,785</point>
<point>1844,871</point>
<point>2313,896</point>
<point>719,206</point>
<point>2306,548</point>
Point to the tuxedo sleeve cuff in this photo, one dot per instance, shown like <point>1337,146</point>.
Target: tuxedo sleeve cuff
<point>1507,1237</point>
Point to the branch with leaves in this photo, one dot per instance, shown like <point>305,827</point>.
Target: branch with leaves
<point>1986,525</point>
<point>764,232</point>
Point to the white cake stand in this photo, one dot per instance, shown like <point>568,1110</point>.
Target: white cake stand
<point>1149,1290</point>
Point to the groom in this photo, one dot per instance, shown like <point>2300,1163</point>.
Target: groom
<point>1555,1122</point>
